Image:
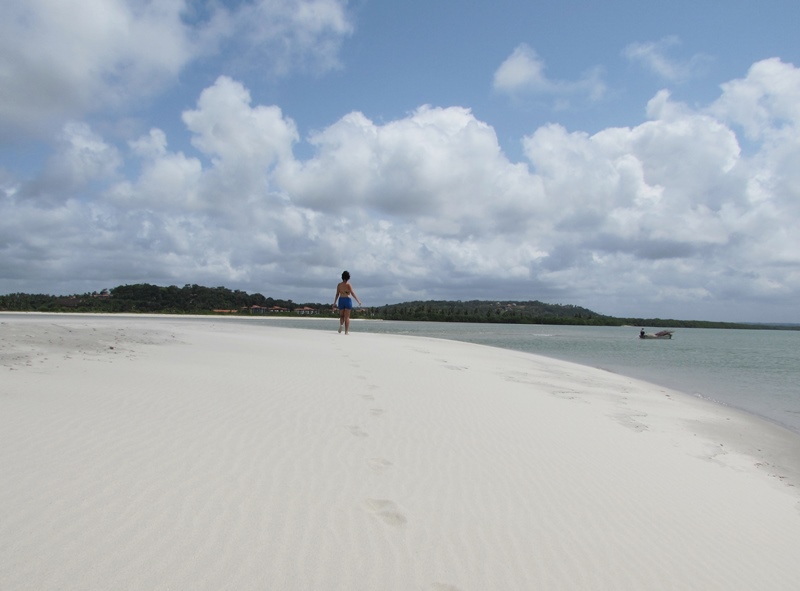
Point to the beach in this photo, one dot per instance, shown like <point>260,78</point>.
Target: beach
<point>210,455</point>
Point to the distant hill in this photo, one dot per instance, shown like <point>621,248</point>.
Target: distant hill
<point>197,299</point>
<point>535,312</point>
<point>152,299</point>
<point>516,312</point>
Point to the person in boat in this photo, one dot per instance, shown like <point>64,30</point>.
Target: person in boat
<point>641,334</point>
<point>343,292</point>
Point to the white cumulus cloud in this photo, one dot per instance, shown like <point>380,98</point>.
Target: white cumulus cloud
<point>671,216</point>
<point>62,59</point>
<point>654,55</point>
<point>523,73</point>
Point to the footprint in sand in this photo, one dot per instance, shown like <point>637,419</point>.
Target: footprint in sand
<point>630,421</point>
<point>567,395</point>
<point>379,465</point>
<point>357,431</point>
<point>386,511</point>
<point>367,397</point>
<point>376,412</point>
<point>443,587</point>
<point>448,365</point>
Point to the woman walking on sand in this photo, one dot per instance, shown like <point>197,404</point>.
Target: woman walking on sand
<point>343,292</point>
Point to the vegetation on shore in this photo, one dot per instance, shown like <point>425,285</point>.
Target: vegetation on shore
<point>197,299</point>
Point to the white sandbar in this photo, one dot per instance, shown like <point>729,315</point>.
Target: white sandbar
<point>164,454</point>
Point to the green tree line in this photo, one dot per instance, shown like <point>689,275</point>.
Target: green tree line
<point>146,298</point>
<point>197,299</point>
<point>506,312</point>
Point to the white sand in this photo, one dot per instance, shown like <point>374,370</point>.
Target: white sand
<point>216,455</point>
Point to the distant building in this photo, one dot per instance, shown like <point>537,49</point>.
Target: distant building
<point>279,310</point>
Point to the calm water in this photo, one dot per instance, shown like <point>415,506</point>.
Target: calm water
<point>754,370</point>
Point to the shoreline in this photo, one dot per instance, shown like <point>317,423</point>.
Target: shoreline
<point>686,391</point>
<point>215,455</point>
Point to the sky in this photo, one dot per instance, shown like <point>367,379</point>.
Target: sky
<point>638,158</point>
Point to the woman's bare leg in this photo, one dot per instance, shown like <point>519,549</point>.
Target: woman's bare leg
<point>346,321</point>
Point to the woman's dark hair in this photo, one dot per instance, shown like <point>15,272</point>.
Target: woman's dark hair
<point>345,276</point>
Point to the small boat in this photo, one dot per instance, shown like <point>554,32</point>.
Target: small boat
<point>662,334</point>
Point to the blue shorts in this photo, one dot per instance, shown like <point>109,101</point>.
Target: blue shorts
<point>345,303</point>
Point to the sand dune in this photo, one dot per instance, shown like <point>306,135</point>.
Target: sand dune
<point>170,454</point>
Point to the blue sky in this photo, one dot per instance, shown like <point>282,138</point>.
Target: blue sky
<point>637,158</point>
